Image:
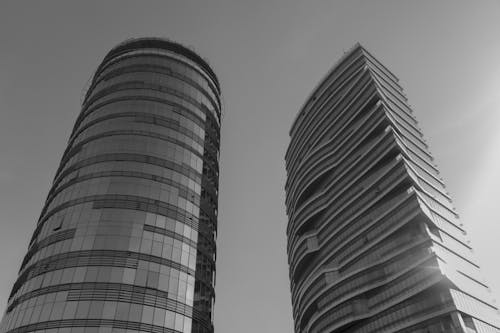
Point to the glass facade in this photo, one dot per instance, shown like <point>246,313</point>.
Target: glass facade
<point>126,238</point>
<point>374,243</point>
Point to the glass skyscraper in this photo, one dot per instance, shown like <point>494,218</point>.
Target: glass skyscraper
<point>126,239</point>
<point>374,243</point>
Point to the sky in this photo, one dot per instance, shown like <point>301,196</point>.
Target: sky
<point>268,55</point>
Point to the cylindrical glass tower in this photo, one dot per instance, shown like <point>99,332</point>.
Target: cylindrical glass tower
<point>126,239</point>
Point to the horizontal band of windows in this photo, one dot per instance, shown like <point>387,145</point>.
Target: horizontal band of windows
<point>131,202</point>
<point>175,107</point>
<point>169,233</point>
<point>73,150</point>
<point>120,324</point>
<point>194,62</point>
<point>130,157</point>
<point>206,251</point>
<point>183,92</point>
<point>156,69</point>
<point>159,60</point>
<point>97,291</point>
<point>184,192</point>
<point>111,258</point>
<point>114,292</point>
<point>132,85</point>
<point>141,117</point>
<point>148,206</point>
<point>54,238</point>
<point>143,92</point>
<point>139,84</point>
<point>69,233</point>
<point>124,202</point>
<point>130,143</point>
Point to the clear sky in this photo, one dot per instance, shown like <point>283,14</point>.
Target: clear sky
<point>268,54</point>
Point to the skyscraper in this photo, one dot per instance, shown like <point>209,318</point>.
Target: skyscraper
<point>374,243</point>
<point>126,239</point>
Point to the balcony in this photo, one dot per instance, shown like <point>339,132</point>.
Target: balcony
<point>306,249</point>
<point>383,221</point>
<point>378,145</point>
<point>354,95</point>
<point>347,186</point>
<point>336,317</point>
<point>362,240</point>
<point>334,163</point>
<point>375,276</point>
<point>352,197</point>
<point>333,82</point>
<point>321,158</point>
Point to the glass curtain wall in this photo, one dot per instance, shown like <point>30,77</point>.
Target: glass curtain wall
<point>126,238</point>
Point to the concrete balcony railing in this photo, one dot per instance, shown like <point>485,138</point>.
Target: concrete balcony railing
<point>361,240</point>
<point>387,215</point>
<point>352,285</point>
<point>335,84</point>
<point>355,95</point>
<point>355,169</point>
<point>331,125</point>
<point>344,237</point>
<point>321,161</point>
<point>378,145</point>
<point>335,318</point>
<point>357,186</point>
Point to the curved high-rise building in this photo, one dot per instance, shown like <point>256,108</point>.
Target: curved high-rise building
<point>126,238</point>
<point>374,244</point>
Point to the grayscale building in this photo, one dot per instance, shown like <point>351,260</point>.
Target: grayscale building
<point>374,243</point>
<point>126,239</point>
